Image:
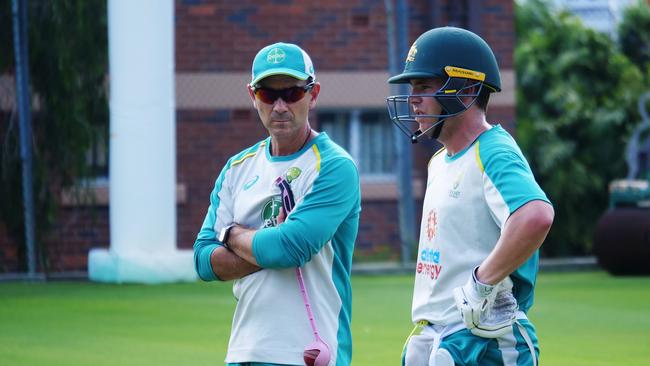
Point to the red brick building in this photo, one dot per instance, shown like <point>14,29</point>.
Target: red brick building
<point>215,44</point>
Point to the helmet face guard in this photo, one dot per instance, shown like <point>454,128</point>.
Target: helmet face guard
<point>449,96</point>
<point>462,59</point>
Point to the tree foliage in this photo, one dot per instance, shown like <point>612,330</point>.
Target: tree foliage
<point>576,106</point>
<point>634,34</point>
<point>68,64</point>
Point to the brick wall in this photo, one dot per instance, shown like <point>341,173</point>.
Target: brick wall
<point>338,34</point>
<point>226,35</point>
<point>10,259</point>
<point>498,29</point>
<point>77,231</point>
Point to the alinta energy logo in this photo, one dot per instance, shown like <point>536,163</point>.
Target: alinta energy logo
<point>429,264</point>
<point>270,211</point>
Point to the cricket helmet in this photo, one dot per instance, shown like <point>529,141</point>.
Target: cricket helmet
<point>462,59</point>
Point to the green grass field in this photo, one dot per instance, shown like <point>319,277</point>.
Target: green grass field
<point>589,319</point>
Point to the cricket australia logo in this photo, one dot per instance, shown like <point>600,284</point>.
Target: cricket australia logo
<point>411,56</point>
<point>275,56</point>
<point>271,211</point>
<point>454,192</point>
<point>432,224</point>
<point>292,173</point>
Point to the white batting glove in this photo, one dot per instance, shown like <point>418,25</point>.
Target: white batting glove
<point>472,299</point>
<point>475,301</point>
<point>497,320</point>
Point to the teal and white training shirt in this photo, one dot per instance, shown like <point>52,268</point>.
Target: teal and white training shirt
<point>270,323</point>
<point>468,199</point>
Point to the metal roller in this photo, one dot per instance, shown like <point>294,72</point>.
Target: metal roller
<point>622,241</point>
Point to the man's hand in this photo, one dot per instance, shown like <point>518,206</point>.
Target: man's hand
<point>241,240</point>
<point>487,310</point>
<point>472,299</point>
<point>282,216</point>
<point>497,319</point>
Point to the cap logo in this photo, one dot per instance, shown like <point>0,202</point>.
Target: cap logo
<point>275,56</point>
<point>412,52</point>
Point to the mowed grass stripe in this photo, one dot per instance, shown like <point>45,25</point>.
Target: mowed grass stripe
<point>582,319</point>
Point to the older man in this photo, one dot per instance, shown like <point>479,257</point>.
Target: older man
<point>250,237</point>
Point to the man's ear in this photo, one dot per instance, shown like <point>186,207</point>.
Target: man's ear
<point>251,93</point>
<point>315,90</point>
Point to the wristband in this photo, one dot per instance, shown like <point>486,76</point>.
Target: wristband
<point>483,289</point>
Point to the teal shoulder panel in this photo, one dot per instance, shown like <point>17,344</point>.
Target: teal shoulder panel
<point>507,168</point>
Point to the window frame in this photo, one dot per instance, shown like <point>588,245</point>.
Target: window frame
<point>354,123</point>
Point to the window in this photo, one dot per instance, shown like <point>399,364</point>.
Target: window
<point>368,135</point>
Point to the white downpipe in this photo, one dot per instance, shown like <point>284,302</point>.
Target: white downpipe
<point>142,170</point>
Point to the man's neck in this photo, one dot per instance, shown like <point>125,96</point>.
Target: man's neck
<point>462,133</point>
<point>288,146</point>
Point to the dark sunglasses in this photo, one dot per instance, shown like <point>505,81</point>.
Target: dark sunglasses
<point>289,95</point>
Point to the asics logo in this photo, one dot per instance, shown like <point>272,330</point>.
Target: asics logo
<point>250,183</point>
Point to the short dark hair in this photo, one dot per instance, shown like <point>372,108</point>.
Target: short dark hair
<point>483,99</point>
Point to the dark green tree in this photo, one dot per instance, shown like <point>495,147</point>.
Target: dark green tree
<point>634,34</point>
<point>576,106</point>
<point>68,64</point>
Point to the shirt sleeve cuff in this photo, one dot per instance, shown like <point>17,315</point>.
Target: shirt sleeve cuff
<point>206,272</point>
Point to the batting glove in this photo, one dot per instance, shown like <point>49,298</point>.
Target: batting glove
<point>498,318</point>
<point>475,302</point>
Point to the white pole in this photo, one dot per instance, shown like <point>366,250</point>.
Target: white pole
<point>142,171</point>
